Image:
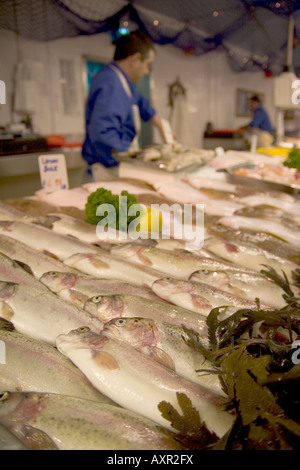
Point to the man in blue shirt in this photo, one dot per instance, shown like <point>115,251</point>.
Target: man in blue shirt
<point>114,106</point>
<point>260,125</point>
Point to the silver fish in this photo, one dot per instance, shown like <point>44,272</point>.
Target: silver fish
<point>290,206</point>
<point>8,212</point>
<point>66,284</point>
<point>12,271</point>
<point>176,264</point>
<point>43,239</point>
<point>249,256</point>
<point>166,344</point>
<point>36,366</point>
<point>106,266</point>
<point>136,382</point>
<point>200,297</point>
<point>46,421</point>
<point>68,225</point>
<point>273,214</point>
<point>256,224</point>
<point>107,307</point>
<point>41,315</point>
<point>244,284</point>
<point>37,262</point>
<point>260,239</point>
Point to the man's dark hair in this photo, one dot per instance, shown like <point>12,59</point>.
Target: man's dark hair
<point>131,43</point>
<point>255,98</point>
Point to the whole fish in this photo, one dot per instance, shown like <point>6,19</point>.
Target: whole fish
<point>41,315</point>
<point>256,224</point>
<point>244,284</point>
<point>136,382</point>
<point>107,266</point>
<point>200,182</point>
<point>12,271</point>
<point>36,366</point>
<point>36,261</point>
<point>179,265</point>
<point>66,284</point>
<point>107,307</point>
<point>68,225</point>
<point>290,206</point>
<point>117,186</point>
<point>46,421</point>
<point>74,198</point>
<point>262,240</point>
<point>249,256</point>
<point>273,214</point>
<point>42,239</point>
<point>200,297</point>
<point>221,207</point>
<point>179,245</point>
<point>179,192</point>
<point>8,212</point>
<point>166,344</point>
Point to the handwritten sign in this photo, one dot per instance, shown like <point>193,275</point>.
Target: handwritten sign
<point>53,172</point>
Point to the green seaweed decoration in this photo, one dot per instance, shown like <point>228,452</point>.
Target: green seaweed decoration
<point>117,217</point>
<point>254,355</point>
<point>193,434</point>
<point>293,159</point>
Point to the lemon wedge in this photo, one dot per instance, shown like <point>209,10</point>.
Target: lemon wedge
<point>150,221</point>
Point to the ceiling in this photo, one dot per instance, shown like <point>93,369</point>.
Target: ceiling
<point>254,34</point>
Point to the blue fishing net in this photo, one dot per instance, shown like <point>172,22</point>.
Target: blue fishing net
<point>253,33</point>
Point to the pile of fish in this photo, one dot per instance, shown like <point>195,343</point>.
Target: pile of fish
<point>94,333</point>
<point>171,157</point>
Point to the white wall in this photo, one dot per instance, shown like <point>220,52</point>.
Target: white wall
<point>210,83</point>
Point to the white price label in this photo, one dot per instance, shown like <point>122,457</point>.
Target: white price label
<point>53,172</point>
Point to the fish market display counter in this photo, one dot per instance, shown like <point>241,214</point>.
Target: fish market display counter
<point>215,319</point>
<point>19,174</point>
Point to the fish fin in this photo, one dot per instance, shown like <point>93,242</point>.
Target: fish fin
<point>98,263</point>
<point>236,291</point>
<point>159,356</point>
<point>6,311</point>
<point>6,325</point>
<point>231,247</point>
<point>5,225</point>
<point>146,261</point>
<point>25,266</point>
<point>35,439</point>
<point>200,302</point>
<point>75,296</point>
<point>106,360</point>
<point>49,253</point>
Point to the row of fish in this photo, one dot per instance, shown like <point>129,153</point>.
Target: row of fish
<point>96,331</point>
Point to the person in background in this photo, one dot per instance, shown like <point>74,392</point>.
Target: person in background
<point>115,106</point>
<point>260,125</point>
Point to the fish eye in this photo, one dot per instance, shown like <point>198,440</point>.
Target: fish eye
<point>82,329</point>
<point>96,298</point>
<point>4,396</point>
<point>52,274</point>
